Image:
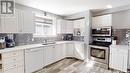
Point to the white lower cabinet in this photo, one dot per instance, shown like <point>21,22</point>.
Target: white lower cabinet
<point>33,59</point>
<point>118,58</point>
<point>60,51</point>
<point>49,55</point>
<point>15,70</point>
<point>79,50</point>
<point>69,49</point>
<point>13,62</point>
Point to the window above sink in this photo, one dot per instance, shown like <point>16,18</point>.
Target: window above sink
<point>44,26</point>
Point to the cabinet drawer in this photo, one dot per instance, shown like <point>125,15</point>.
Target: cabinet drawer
<point>12,54</point>
<point>118,51</point>
<point>13,65</point>
<point>13,59</point>
<point>15,70</point>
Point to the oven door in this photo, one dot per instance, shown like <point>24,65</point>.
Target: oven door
<point>99,54</point>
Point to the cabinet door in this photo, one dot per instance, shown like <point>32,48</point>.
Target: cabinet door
<point>106,20</point>
<point>101,21</point>
<point>15,70</point>
<point>49,55</point>
<point>33,59</point>
<point>96,22</point>
<point>70,50</point>
<point>60,51</point>
<point>116,61</point>
<point>28,22</point>
<point>77,24</point>
<point>11,24</point>
<point>70,27</point>
<point>63,50</point>
<point>61,26</point>
<point>79,50</point>
<point>1,22</point>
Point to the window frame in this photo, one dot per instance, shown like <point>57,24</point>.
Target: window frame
<point>53,26</point>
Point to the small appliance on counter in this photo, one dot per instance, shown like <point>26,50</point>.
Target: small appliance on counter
<point>9,41</point>
<point>2,43</point>
<point>77,32</point>
<point>68,37</point>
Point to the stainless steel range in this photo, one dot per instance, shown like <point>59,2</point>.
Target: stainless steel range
<point>99,48</point>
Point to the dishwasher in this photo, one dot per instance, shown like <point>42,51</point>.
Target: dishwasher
<point>33,59</point>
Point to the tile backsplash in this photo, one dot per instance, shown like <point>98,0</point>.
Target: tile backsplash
<point>27,38</point>
<point>22,39</point>
<point>122,35</point>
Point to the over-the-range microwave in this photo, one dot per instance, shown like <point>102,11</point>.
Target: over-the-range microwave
<point>104,31</point>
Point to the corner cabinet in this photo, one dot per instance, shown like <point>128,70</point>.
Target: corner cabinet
<point>20,22</point>
<point>79,50</point>
<point>80,24</point>
<point>101,21</point>
<point>69,49</point>
<point>118,58</point>
<point>64,26</point>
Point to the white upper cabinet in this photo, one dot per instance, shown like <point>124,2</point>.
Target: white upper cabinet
<point>64,26</point>
<point>20,22</point>
<point>70,27</point>
<point>101,21</point>
<point>79,23</point>
<point>61,26</point>
<point>10,23</point>
<point>27,22</point>
<point>121,20</point>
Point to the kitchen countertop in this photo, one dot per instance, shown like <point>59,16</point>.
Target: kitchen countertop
<point>23,47</point>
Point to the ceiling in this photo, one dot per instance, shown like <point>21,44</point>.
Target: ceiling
<point>68,7</point>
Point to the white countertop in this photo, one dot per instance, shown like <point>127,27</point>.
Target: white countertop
<point>34,46</point>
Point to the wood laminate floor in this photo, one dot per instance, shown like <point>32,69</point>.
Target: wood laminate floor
<point>75,66</point>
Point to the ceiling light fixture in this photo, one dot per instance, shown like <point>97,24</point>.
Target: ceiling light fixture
<point>109,6</point>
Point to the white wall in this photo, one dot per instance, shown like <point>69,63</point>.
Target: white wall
<point>121,20</point>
